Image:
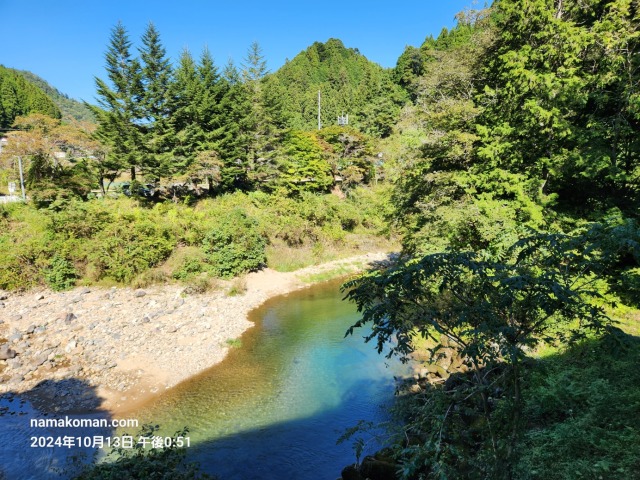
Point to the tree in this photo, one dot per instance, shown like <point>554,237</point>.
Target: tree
<point>348,82</point>
<point>350,155</point>
<point>19,97</point>
<point>302,165</point>
<point>253,73</point>
<point>156,107</point>
<point>60,160</point>
<point>120,117</point>
<point>560,86</point>
<point>254,67</point>
<point>186,122</point>
<point>233,137</point>
<point>490,312</point>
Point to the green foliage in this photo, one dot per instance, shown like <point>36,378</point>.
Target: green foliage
<point>414,64</point>
<point>348,82</point>
<point>61,274</point>
<point>71,109</point>
<point>350,154</point>
<point>127,248</point>
<point>581,413</point>
<point>460,210</point>
<point>234,342</point>
<point>27,246</point>
<point>19,97</point>
<point>491,311</point>
<point>302,166</point>
<point>140,463</point>
<point>119,112</point>
<point>559,92</point>
<point>189,267</point>
<point>123,241</point>
<point>234,245</point>
<point>197,285</point>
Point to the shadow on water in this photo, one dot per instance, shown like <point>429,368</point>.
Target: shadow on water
<point>34,425</point>
<point>296,449</point>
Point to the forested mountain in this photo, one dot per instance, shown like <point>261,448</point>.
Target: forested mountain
<point>348,84</point>
<point>240,128</point>
<point>69,107</point>
<point>18,97</point>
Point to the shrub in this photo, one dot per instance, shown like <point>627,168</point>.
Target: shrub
<point>235,246</point>
<point>61,274</point>
<point>198,285</point>
<point>189,267</point>
<point>125,250</point>
<point>140,463</point>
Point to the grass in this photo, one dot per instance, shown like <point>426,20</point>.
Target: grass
<point>234,342</point>
<point>581,411</point>
<point>238,287</point>
<point>340,271</point>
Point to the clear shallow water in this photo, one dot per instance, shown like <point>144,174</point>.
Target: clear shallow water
<point>273,409</point>
<point>276,406</point>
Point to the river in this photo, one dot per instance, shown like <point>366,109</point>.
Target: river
<point>276,405</point>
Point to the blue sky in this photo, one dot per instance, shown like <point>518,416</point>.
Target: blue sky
<point>64,41</point>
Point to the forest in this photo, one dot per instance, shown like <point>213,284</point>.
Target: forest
<point>502,158</point>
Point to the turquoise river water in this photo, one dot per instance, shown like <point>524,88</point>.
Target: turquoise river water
<point>274,408</point>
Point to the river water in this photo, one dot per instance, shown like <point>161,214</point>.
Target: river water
<point>274,408</point>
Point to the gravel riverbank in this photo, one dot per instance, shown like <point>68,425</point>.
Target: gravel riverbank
<point>109,349</point>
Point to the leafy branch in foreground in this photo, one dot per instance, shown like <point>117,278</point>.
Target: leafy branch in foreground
<point>141,463</point>
<point>491,312</point>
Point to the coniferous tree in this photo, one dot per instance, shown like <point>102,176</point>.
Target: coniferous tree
<point>19,97</point>
<point>157,109</point>
<point>233,137</point>
<point>185,121</point>
<point>254,69</point>
<point>120,117</point>
<point>212,89</point>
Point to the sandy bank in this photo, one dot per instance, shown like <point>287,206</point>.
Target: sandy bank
<point>110,349</point>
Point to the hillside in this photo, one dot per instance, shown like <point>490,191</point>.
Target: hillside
<point>69,107</point>
<point>349,84</point>
<point>21,97</point>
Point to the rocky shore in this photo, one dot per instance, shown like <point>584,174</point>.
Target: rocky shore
<point>92,348</point>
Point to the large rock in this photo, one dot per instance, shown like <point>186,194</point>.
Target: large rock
<point>374,469</point>
<point>6,353</point>
<point>15,338</point>
<point>351,473</point>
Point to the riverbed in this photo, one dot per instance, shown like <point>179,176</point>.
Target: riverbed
<point>273,408</point>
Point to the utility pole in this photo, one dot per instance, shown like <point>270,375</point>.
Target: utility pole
<point>319,124</point>
<point>24,197</point>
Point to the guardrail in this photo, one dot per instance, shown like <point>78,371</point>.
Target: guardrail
<point>10,199</point>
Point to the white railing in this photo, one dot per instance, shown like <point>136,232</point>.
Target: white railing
<point>10,198</point>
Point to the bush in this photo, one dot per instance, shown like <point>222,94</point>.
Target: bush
<point>235,246</point>
<point>139,463</point>
<point>190,266</point>
<point>199,285</point>
<point>61,275</point>
<point>125,250</point>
